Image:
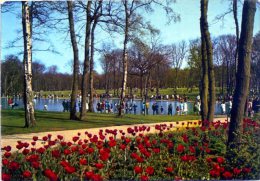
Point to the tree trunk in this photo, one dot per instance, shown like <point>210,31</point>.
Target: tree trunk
<point>86,62</point>
<point>28,93</point>
<point>91,88</point>
<point>74,93</point>
<point>209,59</point>
<point>204,81</point>
<point>114,80</point>
<point>124,81</point>
<point>243,74</point>
<point>237,31</point>
<point>141,85</point>
<point>157,82</point>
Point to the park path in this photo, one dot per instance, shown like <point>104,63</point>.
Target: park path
<point>11,140</point>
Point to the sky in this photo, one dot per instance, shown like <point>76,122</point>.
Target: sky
<point>186,29</point>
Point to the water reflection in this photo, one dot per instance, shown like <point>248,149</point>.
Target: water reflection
<point>56,105</point>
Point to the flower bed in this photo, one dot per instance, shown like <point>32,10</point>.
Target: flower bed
<point>194,153</point>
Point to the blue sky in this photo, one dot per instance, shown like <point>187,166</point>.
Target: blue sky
<point>187,29</point>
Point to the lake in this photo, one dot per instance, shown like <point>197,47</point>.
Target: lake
<point>56,104</point>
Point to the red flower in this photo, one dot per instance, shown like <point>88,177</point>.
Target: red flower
<point>214,173</point>
<point>89,174</point>
<point>7,148</point>
<point>104,154</point>
<point>246,170</point>
<point>60,137</point>
<point>237,171</point>
<point>112,143</point>
<point>6,177</point>
<point>227,175</point>
<point>45,138</point>
<point>41,150</point>
<point>35,165</point>
<point>27,174</point>
<point>169,169</point>
<point>144,178</point>
<point>220,160</point>
<point>122,147</point>
<point>96,177</point>
<point>185,158</point>
<point>26,151</point>
<point>149,170</point>
<point>99,165</point>
<point>83,161</point>
<point>156,150</point>
<point>138,169</point>
<point>5,162</point>
<point>192,149</point>
<point>90,150</point>
<point>50,174</point>
<point>75,138</point>
<point>64,163</point>
<point>180,148</point>
<point>55,153</point>
<point>35,138</point>
<point>14,165</point>
<point>67,152</point>
<point>32,158</point>
<point>7,154</point>
<point>69,169</point>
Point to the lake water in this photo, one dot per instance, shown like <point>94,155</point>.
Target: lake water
<point>56,105</point>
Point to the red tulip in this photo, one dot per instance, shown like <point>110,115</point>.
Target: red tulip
<point>149,170</point>
<point>180,148</point>
<point>99,165</point>
<point>50,174</point>
<point>89,174</point>
<point>237,171</point>
<point>14,165</point>
<point>6,177</point>
<point>70,169</point>
<point>83,161</point>
<point>35,138</point>
<point>27,174</point>
<point>138,169</point>
<point>5,162</point>
<point>220,160</point>
<point>169,169</point>
<point>227,175</point>
<point>144,178</point>
<point>35,165</point>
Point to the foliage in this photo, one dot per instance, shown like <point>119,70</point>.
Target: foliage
<point>135,154</point>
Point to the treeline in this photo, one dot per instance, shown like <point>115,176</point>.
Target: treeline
<point>154,72</point>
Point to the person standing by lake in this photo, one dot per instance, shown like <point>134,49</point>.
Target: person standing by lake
<point>170,109</point>
<point>185,108</point>
<point>147,105</point>
<point>134,106</point>
<point>161,110</point>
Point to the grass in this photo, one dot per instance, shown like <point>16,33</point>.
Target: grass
<point>13,121</point>
<point>166,91</point>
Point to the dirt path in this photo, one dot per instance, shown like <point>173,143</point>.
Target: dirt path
<point>11,140</point>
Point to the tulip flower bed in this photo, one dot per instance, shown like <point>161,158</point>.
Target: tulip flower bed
<point>192,153</point>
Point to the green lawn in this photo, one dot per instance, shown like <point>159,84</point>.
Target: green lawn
<point>12,121</point>
<point>167,91</point>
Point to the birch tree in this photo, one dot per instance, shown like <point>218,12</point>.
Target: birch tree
<point>28,93</point>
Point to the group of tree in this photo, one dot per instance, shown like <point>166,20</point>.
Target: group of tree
<point>226,59</point>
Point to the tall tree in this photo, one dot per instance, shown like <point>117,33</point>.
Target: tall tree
<point>86,61</point>
<point>207,45</point>
<point>95,19</point>
<point>243,74</point>
<point>204,81</point>
<point>74,93</point>
<point>28,93</point>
